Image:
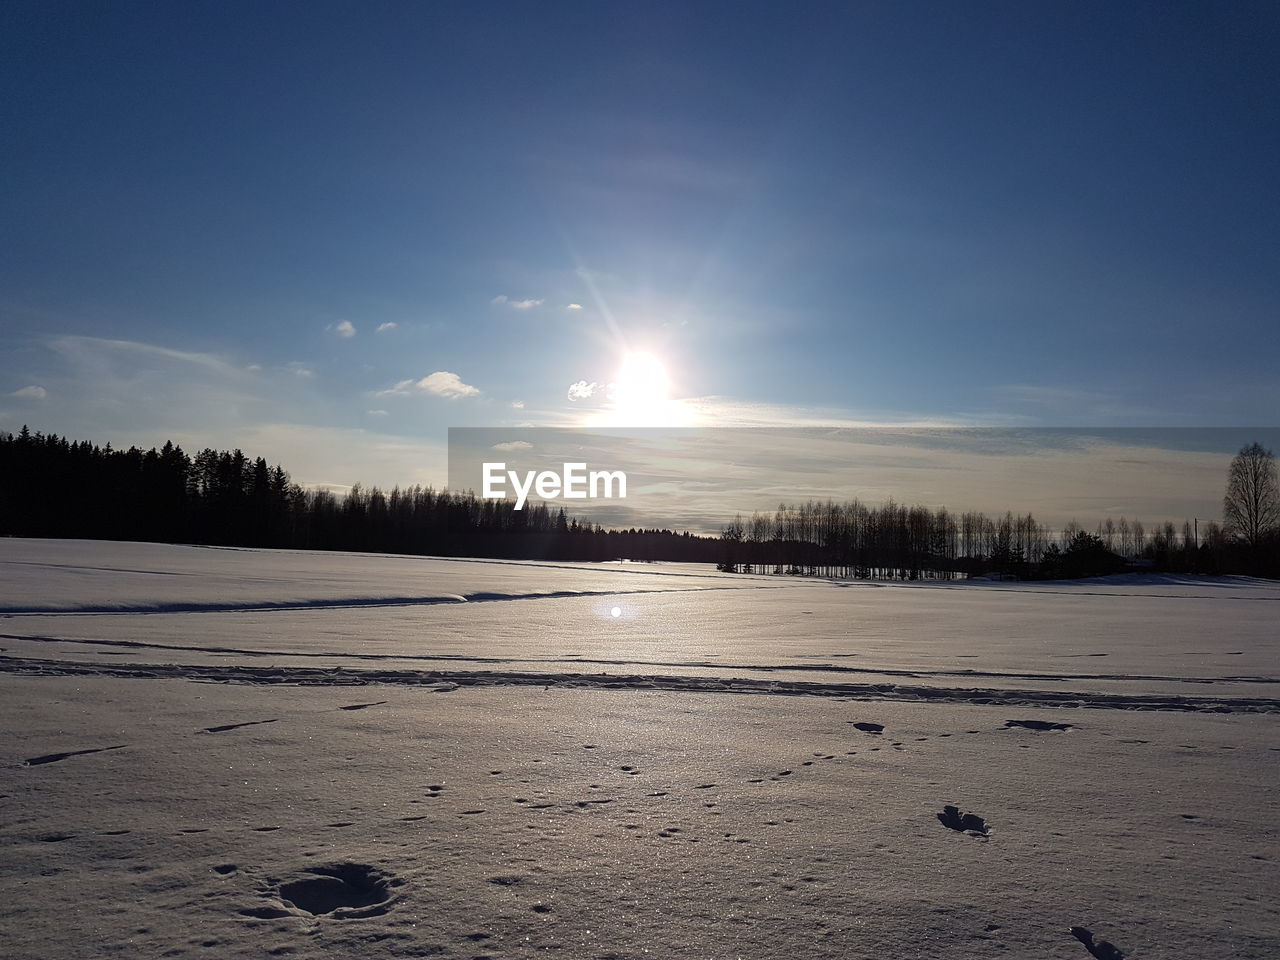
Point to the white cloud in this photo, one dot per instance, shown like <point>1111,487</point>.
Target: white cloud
<point>376,413</point>
<point>442,383</point>
<point>574,306</point>
<point>514,445</point>
<point>516,304</point>
<point>300,371</point>
<point>31,393</point>
<point>389,325</point>
<point>582,390</point>
<point>517,404</point>
<point>345,329</point>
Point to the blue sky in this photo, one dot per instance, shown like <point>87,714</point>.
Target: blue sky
<point>328,232</point>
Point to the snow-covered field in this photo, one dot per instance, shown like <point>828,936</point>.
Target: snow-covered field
<point>241,753</point>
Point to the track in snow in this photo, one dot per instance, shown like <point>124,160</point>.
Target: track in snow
<point>452,679</point>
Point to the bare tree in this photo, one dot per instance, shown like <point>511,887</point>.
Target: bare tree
<point>1108,534</point>
<point>1251,508</point>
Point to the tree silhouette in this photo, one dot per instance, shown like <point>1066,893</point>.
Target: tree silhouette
<point>50,487</point>
<point>1251,507</point>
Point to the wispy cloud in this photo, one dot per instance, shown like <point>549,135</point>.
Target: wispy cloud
<point>1068,404</point>
<point>345,329</point>
<point>376,413</point>
<point>574,306</point>
<point>401,389</point>
<point>90,348</point>
<point>128,393</point>
<point>32,392</point>
<point>385,327</point>
<point>517,404</point>
<point>504,300</point>
<point>513,445</point>
<point>732,412</point>
<point>582,390</point>
<point>101,389</point>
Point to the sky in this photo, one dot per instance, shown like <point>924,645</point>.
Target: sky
<point>326,233</point>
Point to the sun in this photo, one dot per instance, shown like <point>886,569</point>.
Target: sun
<point>641,386</point>
<point>640,395</point>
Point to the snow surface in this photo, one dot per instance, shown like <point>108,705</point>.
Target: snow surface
<point>486,763</point>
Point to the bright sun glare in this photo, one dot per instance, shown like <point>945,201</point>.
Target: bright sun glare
<point>640,395</point>
<point>641,386</point>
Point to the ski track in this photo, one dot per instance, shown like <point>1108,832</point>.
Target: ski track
<point>758,667</point>
<point>341,603</point>
<point>446,680</point>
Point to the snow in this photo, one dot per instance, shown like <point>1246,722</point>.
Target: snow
<point>67,575</point>
<point>201,742</point>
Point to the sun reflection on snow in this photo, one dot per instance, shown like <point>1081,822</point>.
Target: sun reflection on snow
<point>615,610</point>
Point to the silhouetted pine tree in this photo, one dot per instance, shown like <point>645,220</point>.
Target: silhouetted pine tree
<point>50,487</point>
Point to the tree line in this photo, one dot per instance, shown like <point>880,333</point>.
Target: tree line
<point>894,541</point>
<point>53,487</point>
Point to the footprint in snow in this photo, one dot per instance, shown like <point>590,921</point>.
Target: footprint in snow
<point>1038,725</point>
<point>970,823</point>
<point>1098,949</point>
<point>343,890</point>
